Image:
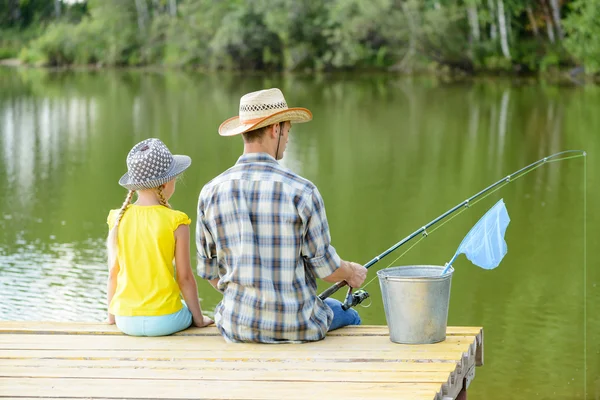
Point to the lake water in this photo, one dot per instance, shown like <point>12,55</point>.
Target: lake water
<point>388,154</point>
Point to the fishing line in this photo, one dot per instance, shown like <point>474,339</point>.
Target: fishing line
<point>510,178</point>
<point>367,305</point>
<point>397,258</point>
<point>584,276</point>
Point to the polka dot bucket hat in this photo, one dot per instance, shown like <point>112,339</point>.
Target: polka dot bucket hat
<point>150,164</point>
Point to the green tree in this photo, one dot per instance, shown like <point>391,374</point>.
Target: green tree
<point>402,35</point>
<point>583,33</point>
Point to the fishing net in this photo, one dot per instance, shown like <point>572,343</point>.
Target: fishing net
<point>484,245</point>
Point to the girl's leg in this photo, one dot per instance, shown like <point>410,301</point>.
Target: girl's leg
<point>340,317</point>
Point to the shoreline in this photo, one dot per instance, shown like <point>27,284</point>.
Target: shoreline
<point>572,76</point>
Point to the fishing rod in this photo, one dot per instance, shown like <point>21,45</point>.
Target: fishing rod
<point>353,299</point>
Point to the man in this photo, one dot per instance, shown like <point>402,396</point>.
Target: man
<point>263,238</point>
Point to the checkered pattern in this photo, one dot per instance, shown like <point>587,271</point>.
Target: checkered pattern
<point>262,230</point>
<point>261,104</point>
<point>280,105</point>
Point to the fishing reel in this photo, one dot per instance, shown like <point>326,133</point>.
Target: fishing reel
<point>354,298</point>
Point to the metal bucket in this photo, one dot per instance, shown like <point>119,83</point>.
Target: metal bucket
<point>416,300</point>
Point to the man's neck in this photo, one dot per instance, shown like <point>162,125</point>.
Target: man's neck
<point>258,148</point>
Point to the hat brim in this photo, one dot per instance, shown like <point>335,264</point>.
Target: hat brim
<point>180,164</point>
<point>233,126</point>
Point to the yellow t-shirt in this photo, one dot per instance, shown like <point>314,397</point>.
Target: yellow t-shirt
<point>146,284</point>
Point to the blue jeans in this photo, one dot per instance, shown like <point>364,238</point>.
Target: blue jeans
<point>160,325</point>
<point>340,317</point>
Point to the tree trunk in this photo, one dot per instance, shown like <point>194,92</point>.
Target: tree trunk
<point>473,21</point>
<point>508,26</point>
<point>503,31</point>
<point>173,7</point>
<point>57,4</point>
<point>15,11</point>
<point>549,26</point>
<point>493,31</point>
<point>532,21</point>
<point>142,14</point>
<point>155,8</point>
<point>556,16</point>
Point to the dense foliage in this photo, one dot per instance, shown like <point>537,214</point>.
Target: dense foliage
<point>300,35</point>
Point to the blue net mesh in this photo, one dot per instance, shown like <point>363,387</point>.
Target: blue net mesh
<point>484,245</point>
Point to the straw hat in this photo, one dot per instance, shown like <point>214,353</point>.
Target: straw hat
<point>260,109</point>
<point>150,164</point>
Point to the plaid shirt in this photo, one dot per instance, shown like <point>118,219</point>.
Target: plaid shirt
<point>262,230</point>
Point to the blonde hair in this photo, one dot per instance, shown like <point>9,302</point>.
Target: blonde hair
<point>161,197</point>
<point>111,241</point>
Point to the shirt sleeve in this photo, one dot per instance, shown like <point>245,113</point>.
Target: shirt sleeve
<point>181,218</point>
<point>319,255</point>
<point>208,267</point>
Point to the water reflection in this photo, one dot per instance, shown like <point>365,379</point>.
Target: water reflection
<point>388,155</point>
<point>37,133</point>
<point>38,281</point>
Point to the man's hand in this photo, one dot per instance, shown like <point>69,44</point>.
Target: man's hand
<point>206,321</point>
<point>357,276</point>
<point>353,273</point>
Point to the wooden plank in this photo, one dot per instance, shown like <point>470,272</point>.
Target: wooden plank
<point>194,389</point>
<point>83,360</point>
<point>382,330</point>
<point>234,365</point>
<point>479,350</point>
<point>101,342</point>
<point>70,328</point>
<point>82,328</point>
<point>276,354</point>
<point>208,374</point>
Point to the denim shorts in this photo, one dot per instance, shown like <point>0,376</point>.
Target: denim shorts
<point>160,325</point>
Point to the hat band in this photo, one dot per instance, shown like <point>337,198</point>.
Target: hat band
<point>253,120</point>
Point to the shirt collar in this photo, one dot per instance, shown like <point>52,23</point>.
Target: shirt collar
<point>256,157</point>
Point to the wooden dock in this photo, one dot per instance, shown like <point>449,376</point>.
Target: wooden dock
<point>85,360</point>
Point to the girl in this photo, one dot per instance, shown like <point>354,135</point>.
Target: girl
<point>144,289</point>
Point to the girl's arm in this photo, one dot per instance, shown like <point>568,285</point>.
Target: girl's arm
<point>111,287</point>
<point>185,277</point>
